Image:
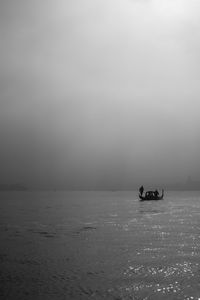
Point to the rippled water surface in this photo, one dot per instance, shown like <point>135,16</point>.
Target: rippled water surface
<point>99,245</point>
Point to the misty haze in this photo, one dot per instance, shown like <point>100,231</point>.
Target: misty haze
<point>99,94</point>
<point>100,149</point>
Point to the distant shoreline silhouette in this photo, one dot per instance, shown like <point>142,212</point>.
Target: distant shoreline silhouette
<point>12,187</point>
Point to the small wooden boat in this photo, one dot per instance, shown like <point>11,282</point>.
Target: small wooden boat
<point>150,195</point>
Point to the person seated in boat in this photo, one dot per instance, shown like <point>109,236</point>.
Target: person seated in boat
<point>156,193</point>
<point>148,194</point>
<point>141,190</point>
<point>151,194</point>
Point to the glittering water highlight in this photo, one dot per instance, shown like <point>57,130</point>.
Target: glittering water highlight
<point>99,245</point>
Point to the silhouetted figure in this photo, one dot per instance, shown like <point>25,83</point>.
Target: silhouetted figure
<point>156,193</point>
<point>141,190</point>
<point>149,195</point>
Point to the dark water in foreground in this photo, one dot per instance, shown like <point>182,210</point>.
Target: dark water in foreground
<point>99,245</point>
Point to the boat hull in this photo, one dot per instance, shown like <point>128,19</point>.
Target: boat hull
<point>150,198</point>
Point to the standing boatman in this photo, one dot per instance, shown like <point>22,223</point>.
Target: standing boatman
<point>141,190</point>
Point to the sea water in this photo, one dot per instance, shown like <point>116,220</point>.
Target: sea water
<point>99,245</point>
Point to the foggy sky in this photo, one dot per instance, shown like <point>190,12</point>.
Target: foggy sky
<point>99,92</point>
